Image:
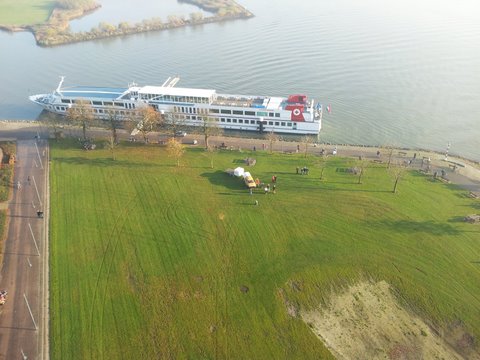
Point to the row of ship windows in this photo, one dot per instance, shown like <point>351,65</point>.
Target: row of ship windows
<point>97,111</point>
<point>223,120</point>
<point>244,121</point>
<point>102,103</point>
<point>192,110</point>
<point>180,99</point>
<point>246,112</point>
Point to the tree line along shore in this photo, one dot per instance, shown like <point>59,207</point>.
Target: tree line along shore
<point>56,31</point>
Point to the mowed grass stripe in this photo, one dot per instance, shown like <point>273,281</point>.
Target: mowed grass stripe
<point>190,238</point>
<point>25,12</point>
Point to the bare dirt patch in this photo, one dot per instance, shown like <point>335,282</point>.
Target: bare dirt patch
<point>367,322</point>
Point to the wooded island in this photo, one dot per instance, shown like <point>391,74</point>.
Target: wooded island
<point>56,31</point>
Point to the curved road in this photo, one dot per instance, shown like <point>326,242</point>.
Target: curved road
<point>24,274</point>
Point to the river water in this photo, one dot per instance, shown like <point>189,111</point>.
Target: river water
<point>402,73</point>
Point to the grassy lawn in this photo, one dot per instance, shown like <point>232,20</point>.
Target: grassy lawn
<point>3,216</point>
<point>25,12</point>
<point>149,260</point>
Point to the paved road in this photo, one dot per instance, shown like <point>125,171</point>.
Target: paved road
<point>24,273</point>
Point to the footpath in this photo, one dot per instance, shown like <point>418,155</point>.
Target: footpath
<point>462,172</point>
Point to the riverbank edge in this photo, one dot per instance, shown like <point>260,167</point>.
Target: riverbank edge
<point>58,17</point>
<point>351,149</point>
<point>55,31</point>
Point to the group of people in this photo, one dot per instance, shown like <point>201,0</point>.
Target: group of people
<point>3,296</point>
<point>302,171</point>
<point>266,187</point>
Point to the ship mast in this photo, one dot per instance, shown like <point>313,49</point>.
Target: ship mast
<point>60,84</point>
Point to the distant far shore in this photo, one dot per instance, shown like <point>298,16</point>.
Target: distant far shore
<point>56,31</point>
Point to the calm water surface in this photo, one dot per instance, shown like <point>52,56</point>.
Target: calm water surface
<point>402,73</point>
<point>133,11</point>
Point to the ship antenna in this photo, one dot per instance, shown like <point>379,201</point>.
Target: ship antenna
<point>60,84</point>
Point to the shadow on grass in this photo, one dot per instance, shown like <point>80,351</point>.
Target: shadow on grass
<point>223,179</point>
<point>430,227</point>
<point>104,162</point>
<point>239,161</point>
<point>324,186</point>
<point>457,219</point>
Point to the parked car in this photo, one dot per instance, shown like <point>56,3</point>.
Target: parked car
<point>180,134</point>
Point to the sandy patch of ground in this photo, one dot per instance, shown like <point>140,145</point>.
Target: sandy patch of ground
<point>366,322</point>
<point>14,125</point>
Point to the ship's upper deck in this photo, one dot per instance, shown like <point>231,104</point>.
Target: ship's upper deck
<point>90,92</point>
<point>173,91</point>
<point>176,95</point>
<point>259,102</point>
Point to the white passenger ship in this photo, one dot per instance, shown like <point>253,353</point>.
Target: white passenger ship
<point>294,115</point>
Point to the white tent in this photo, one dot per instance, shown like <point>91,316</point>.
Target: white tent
<point>246,173</point>
<point>239,171</point>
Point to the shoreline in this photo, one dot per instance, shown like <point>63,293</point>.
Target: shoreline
<point>353,150</point>
<point>55,31</point>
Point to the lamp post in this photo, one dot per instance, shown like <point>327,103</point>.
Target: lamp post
<point>446,152</point>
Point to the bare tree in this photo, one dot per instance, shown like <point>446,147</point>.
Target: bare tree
<point>388,150</point>
<point>174,122</point>
<point>397,172</point>
<point>81,113</point>
<point>272,138</point>
<point>130,122</point>
<point>175,149</point>
<point>212,151</point>
<point>113,122</point>
<point>362,166</point>
<point>208,128</point>
<point>306,141</point>
<point>111,145</point>
<point>322,164</point>
<point>54,122</point>
<point>148,119</point>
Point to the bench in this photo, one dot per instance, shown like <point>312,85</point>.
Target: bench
<point>472,219</point>
<point>474,195</point>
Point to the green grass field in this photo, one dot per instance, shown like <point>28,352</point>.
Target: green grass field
<point>25,12</point>
<point>148,260</point>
